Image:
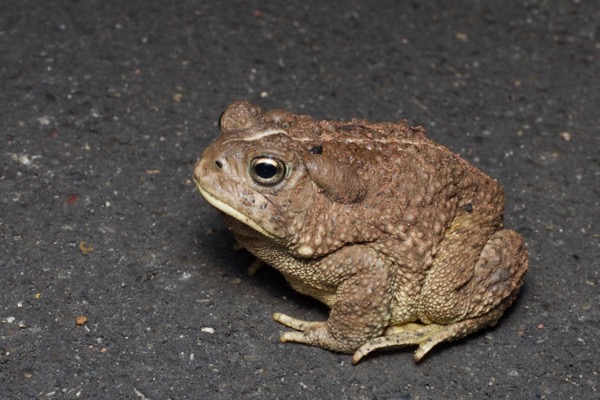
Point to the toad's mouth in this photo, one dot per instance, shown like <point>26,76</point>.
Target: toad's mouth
<point>232,212</point>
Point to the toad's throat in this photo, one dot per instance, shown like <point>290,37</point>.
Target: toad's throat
<point>227,209</point>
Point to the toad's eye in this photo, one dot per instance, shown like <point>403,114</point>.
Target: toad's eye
<point>267,171</point>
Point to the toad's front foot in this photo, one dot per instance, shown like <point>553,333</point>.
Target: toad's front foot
<point>312,333</point>
<point>297,324</point>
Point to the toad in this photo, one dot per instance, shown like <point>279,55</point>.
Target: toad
<point>401,238</point>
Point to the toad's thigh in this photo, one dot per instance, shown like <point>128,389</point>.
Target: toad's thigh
<point>458,288</point>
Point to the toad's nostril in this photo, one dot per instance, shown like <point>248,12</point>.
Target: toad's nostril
<point>219,164</point>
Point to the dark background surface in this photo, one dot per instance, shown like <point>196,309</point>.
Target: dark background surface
<point>106,105</point>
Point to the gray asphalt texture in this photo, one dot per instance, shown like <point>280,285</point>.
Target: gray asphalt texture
<point>106,105</point>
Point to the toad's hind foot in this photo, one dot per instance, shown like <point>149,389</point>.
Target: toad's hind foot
<point>426,336</point>
<point>404,335</point>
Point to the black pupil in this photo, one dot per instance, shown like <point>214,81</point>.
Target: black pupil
<point>265,170</point>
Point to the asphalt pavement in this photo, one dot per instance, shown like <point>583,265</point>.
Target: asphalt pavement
<point>119,282</point>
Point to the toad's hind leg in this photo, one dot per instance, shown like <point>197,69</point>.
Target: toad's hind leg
<point>426,336</point>
<point>459,288</point>
<point>465,297</point>
<point>460,298</point>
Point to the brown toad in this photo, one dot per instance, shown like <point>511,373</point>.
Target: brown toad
<point>400,237</point>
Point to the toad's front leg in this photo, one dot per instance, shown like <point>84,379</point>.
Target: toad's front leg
<point>362,306</point>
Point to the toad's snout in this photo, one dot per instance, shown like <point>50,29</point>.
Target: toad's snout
<point>209,168</point>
